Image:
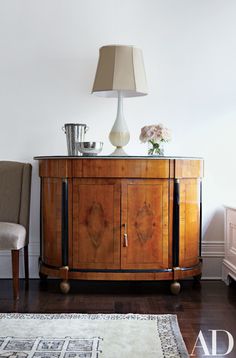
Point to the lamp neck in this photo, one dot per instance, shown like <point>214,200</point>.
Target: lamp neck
<point>120,106</point>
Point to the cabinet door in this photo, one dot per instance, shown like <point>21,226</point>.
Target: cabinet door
<point>96,224</point>
<point>189,222</point>
<point>145,222</point>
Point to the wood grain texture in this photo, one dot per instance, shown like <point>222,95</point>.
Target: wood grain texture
<point>181,274</point>
<point>188,168</point>
<point>121,168</point>
<point>145,214</point>
<point>96,223</point>
<point>189,222</point>
<point>171,168</point>
<point>51,212</point>
<point>122,276</point>
<point>110,276</point>
<point>54,168</point>
<point>26,264</point>
<point>124,168</point>
<point>15,272</point>
<point>176,274</point>
<point>70,222</point>
<point>170,222</point>
<point>211,305</point>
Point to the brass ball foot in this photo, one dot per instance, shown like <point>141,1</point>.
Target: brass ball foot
<point>175,287</point>
<point>64,286</point>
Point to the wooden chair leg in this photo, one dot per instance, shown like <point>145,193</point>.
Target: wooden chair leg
<point>15,273</point>
<point>26,261</point>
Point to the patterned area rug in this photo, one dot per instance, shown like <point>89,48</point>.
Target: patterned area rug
<point>90,336</point>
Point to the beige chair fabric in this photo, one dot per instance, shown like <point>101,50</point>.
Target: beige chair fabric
<point>15,187</point>
<point>15,184</point>
<point>12,236</point>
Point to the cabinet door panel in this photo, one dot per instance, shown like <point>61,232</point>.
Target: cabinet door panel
<point>189,222</point>
<point>96,224</point>
<point>145,220</point>
<point>51,207</point>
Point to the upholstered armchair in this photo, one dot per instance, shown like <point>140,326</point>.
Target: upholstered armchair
<point>15,187</point>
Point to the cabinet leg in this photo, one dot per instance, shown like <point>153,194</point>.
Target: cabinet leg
<point>230,280</point>
<point>175,287</point>
<point>64,285</point>
<point>43,277</point>
<point>197,278</point>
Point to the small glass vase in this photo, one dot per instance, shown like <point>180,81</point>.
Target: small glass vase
<point>155,149</point>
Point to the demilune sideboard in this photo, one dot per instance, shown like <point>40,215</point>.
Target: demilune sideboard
<point>120,218</point>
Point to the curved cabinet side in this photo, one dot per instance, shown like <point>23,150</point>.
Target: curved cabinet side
<point>51,215</point>
<point>189,219</point>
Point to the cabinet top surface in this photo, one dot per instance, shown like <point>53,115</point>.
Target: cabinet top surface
<point>120,167</point>
<point>115,157</point>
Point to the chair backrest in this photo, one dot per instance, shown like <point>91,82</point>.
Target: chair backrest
<point>15,188</point>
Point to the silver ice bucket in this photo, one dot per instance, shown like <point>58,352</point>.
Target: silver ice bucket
<point>75,132</point>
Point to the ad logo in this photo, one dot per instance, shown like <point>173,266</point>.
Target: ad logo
<point>200,343</point>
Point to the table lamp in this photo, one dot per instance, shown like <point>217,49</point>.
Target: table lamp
<point>120,73</point>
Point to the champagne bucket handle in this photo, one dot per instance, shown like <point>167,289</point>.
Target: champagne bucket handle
<point>86,129</point>
<point>63,129</point>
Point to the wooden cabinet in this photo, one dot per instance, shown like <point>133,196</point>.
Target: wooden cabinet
<point>109,218</point>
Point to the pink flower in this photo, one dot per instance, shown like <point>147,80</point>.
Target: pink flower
<point>156,132</point>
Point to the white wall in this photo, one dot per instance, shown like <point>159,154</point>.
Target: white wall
<point>48,57</point>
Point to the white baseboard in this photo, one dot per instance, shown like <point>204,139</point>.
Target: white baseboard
<point>5,262</point>
<point>212,254</point>
<point>213,248</point>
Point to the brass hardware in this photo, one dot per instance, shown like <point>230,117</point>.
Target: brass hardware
<point>125,243</point>
<point>125,240</point>
<point>175,287</point>
<point>177,268</point>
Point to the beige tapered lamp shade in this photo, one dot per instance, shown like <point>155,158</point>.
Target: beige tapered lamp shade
<point>120,73</point>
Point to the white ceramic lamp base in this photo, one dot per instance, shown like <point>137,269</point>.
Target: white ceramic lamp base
<point>119,152</point>
<point>119,135</point>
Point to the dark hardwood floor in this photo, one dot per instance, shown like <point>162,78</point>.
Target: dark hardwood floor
<point>208,306</point>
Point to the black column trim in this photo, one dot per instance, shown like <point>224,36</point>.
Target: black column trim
<point>200,222</point>
<point>176,224</point>
<point>41,218</point>
<point>64,223</point>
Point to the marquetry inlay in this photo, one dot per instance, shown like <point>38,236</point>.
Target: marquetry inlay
<point>145,223</point>
<point>96,223</point>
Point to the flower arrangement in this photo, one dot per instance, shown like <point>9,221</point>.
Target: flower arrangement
<point>155,135</point>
